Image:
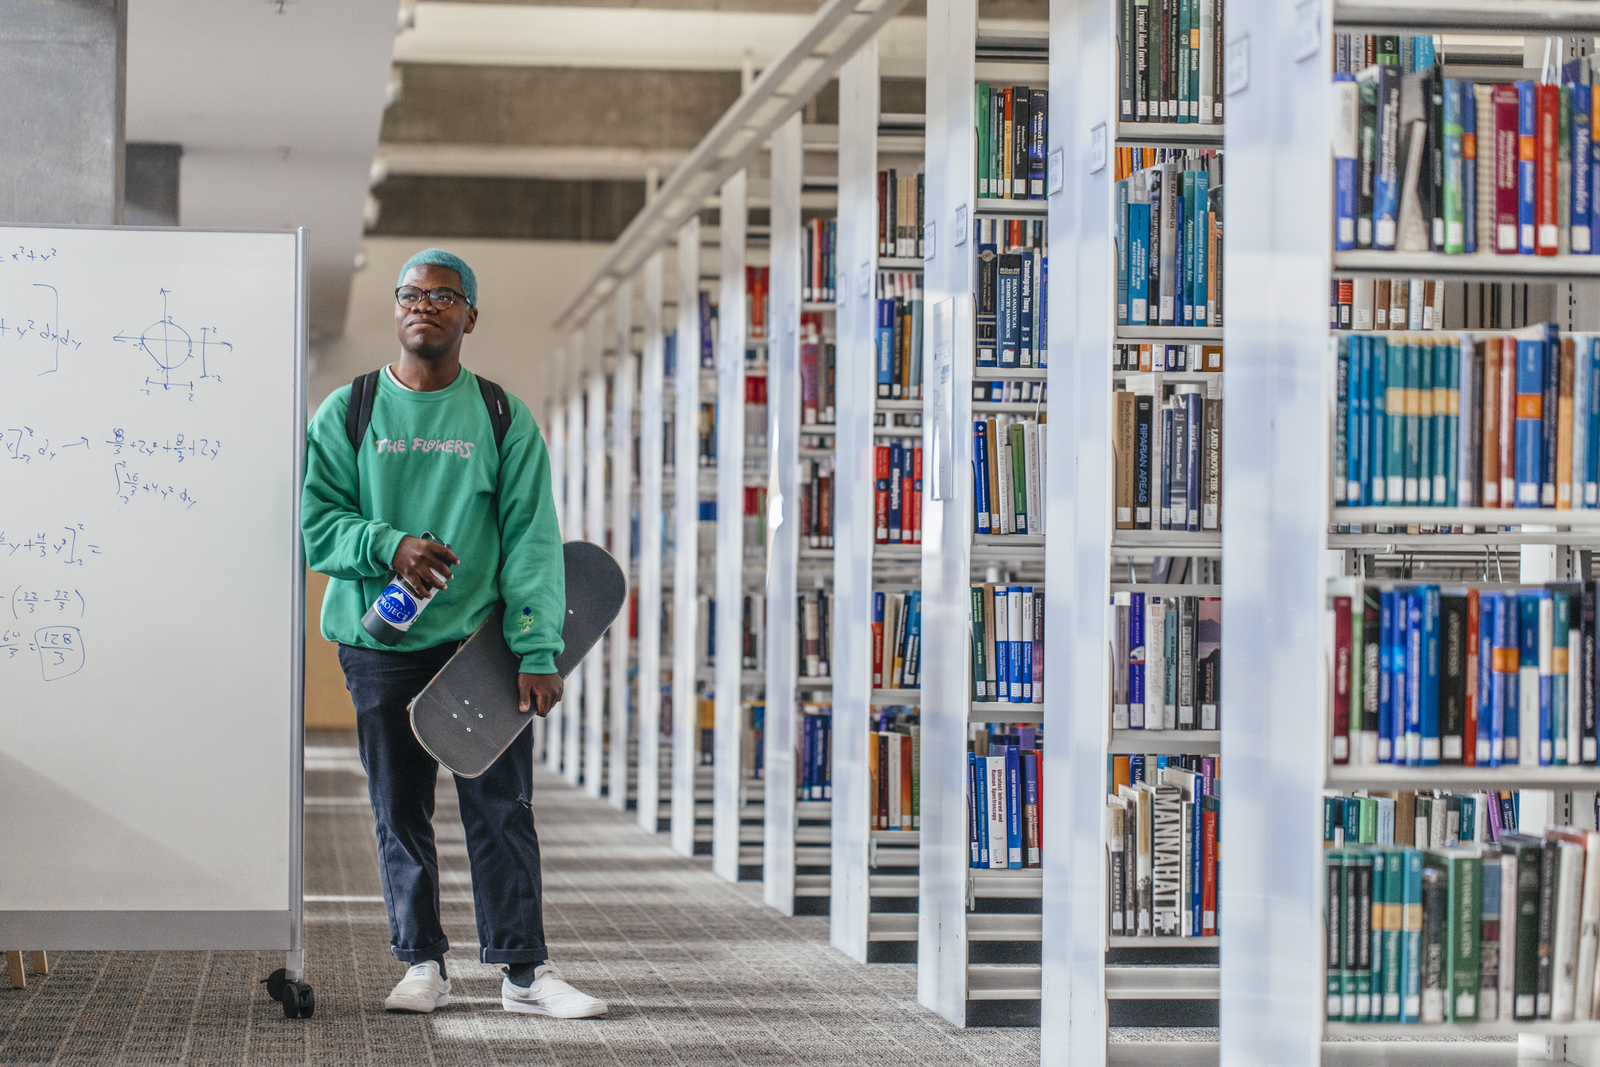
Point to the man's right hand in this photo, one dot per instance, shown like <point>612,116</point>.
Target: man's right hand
<point>416,560</point>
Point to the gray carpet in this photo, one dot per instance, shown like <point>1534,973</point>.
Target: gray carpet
<point>696,970</point>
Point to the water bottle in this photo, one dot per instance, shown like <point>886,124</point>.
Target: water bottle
<point>397,607</point>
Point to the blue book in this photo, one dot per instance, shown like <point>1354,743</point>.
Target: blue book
<point>1013,807</point>
<point>1194,403</point>
<point>1547,718</point>
<point>1386,171</point>
<point>896,481</point>
<point>1528,711</point>
<point>1346,136</point>
<point>976,769</point>
<point>1122,252</point>
<point>1014,636</point>
<point>1422,49</point>
<point>1386,673</point>
<point>1138,264</point>
<point>1526,178</point>
<point>1008,309</point>
<point>1196,852</point>
<point>980,474</point>
<point>883,335</point>
<point>1201,294</point>
<point>914,659</point>
<point>1136,768</point>
<point>1042,336</point>
<point>1413,685</point>
<point>1530,423</point>
<point>1341,419</point>
<point>1002,645</point>
<point>1024,647</point>
<point>1180,250</point>
<point>1361,390</point>
<point>1347,439</point>
<point>1136,662</point>
<point>1487,606</point>
<point>1594,178</point>
<point>1591,469</point>
<point>1582,192</point>
<point>1430,676</point>
<point>1191,236</point>
<point>1411,936</point>
<point>1469,171</point>
<point>1378,451</point>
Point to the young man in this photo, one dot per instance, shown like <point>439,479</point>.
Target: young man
<point>428,463</point>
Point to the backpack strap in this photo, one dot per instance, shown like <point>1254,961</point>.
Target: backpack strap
<point>358,416</point>
<point>494,398</point>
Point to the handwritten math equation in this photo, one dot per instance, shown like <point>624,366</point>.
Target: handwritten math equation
<point>68,545</point>
<point>35,328</point>
<point>54,602</point>
<point>59,648</point>
<point>177,352</point>
<point>133,485</point>
<point>24,253</point>
<point>23,444</point>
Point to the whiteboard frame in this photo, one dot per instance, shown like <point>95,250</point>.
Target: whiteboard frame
<point>218,930</point>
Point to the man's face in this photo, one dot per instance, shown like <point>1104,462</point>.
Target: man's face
<point>424,329</point>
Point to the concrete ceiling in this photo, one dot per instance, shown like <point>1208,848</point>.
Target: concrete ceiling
<point>277,107</point>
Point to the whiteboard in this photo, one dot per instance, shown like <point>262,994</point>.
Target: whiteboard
<point>151,586</point>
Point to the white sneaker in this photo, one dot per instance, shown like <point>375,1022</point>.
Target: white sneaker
<point>421,990</point>
<point>549,995</point>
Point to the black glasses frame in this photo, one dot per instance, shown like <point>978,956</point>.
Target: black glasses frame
<point>432,300</point>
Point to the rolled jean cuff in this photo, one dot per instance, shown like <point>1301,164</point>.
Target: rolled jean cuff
<point>417,955</point>
<point>512,955</point>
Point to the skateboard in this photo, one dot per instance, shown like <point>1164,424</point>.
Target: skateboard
<point>467,715</point>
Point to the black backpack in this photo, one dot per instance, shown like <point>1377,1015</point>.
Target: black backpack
<point>364,390</point>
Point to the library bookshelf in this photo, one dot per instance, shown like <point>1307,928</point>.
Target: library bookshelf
<point>1282,402</point>
<point>874,887</point>
<point>653,757</point>
<point>622,440</point>
<point>980,930</point>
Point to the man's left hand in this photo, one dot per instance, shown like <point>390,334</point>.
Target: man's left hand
<point>540,692</point>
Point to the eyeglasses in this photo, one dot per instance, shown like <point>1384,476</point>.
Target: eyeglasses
<point>442,298</point>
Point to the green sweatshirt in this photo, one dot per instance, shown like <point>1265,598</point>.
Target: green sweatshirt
<point>428,464</point>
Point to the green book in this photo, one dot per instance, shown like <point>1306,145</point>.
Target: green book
<point>1181,74</point>
<point>1367,819</point>
<point>1019,476</point>
<point>1527,852</point>
<point>1462,929</point>
<point>981,117</point>
<point>1335,922</point>
<point>1389,963</point>
<point>1427,423</point>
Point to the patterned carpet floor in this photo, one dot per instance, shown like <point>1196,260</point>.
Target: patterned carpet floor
<point>696,970</point>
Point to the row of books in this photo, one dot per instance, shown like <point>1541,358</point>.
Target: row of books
<point>753,749</point>
<point>1474,933</point>
<point>816,502</point>
<point>900,214</point>
<point>1162,841</point>
<point>1009,392</point>
<point>1136,767</point>
<point>706,726</point>
<point>1008,472</point>
<point>897,640</point>
<point>814,754</point>
<point>1428,163</point>
<point>894,769</point>
<point>1168,464</point>
<point>898,336</point>
<point>1013,129</point>
<point>1166,358</point>
<point>819,242</point>
<point>1425,818</point>
<point>1508,421</point>
<point>1412,304</point>
<point>1355,52</point>
<point>1169,60</point>
<point>1167,662</point>
<point>1007,643</point>
<point>1422,675</point>
<point>897,491</point>
<point>818,372</point>
<point>1169,241</point>
<point>1013,266</point>
<point>1004,799</point>
<point>814,632</point>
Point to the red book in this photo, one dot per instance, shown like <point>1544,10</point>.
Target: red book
<point>1208,872</point>
<point>907,482</point>
<point>1340,746</point>
<point>1547,118</point>
<point>1506,154</point>
<point>1031,843</point>
<point>825,509</point>
<point>883,781</point>
<point>1469,732</point>
<point>880,474</point>
<point>916,495</point>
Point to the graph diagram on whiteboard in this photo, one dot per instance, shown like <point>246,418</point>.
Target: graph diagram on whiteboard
<point>180,358</point>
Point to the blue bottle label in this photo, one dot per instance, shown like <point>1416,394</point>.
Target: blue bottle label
<point>396,606</point>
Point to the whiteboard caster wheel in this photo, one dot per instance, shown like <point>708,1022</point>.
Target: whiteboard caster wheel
<point>298,1001</point>
<point>275,983</point>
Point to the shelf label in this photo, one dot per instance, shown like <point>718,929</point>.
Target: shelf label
<point>864,283</point>
<point>1307,29</point>
<point>961,225</point>
<point>942,404</point>
<point>929,247</point>
<point>1097,148</point>
<point>1236,65</point>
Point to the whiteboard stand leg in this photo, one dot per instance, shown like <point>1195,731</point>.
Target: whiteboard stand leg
<point>19,977</point>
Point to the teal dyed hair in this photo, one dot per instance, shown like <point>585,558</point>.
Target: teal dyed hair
<point>438,257</point>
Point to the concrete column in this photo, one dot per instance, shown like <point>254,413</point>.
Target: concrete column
<point>63,77</point>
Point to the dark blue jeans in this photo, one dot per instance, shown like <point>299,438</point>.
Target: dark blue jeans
<point>495,810</point>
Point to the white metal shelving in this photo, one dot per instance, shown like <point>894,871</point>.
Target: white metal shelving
<point>685,538</point>
<point>624,380</point>
<point>651,461</point>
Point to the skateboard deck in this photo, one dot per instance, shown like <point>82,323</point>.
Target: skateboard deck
<point>467,715</point>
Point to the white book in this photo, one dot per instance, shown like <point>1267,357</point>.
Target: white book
<point>1016,635</point>
<point>1004,508</point>
<point>996,779</point>
<point>1026,639</point>
<point>891,623</point>
<point>1508,938</point>
<point>1043,451</point>
<point>1166,857</point>
<point>1208,30</point>
<point>1528,714</point>
<point>1589,929</point>
<point>1155,662</point>
<point>1484,96</point>
<point>1569,907</point>
<point>1362,288</point>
